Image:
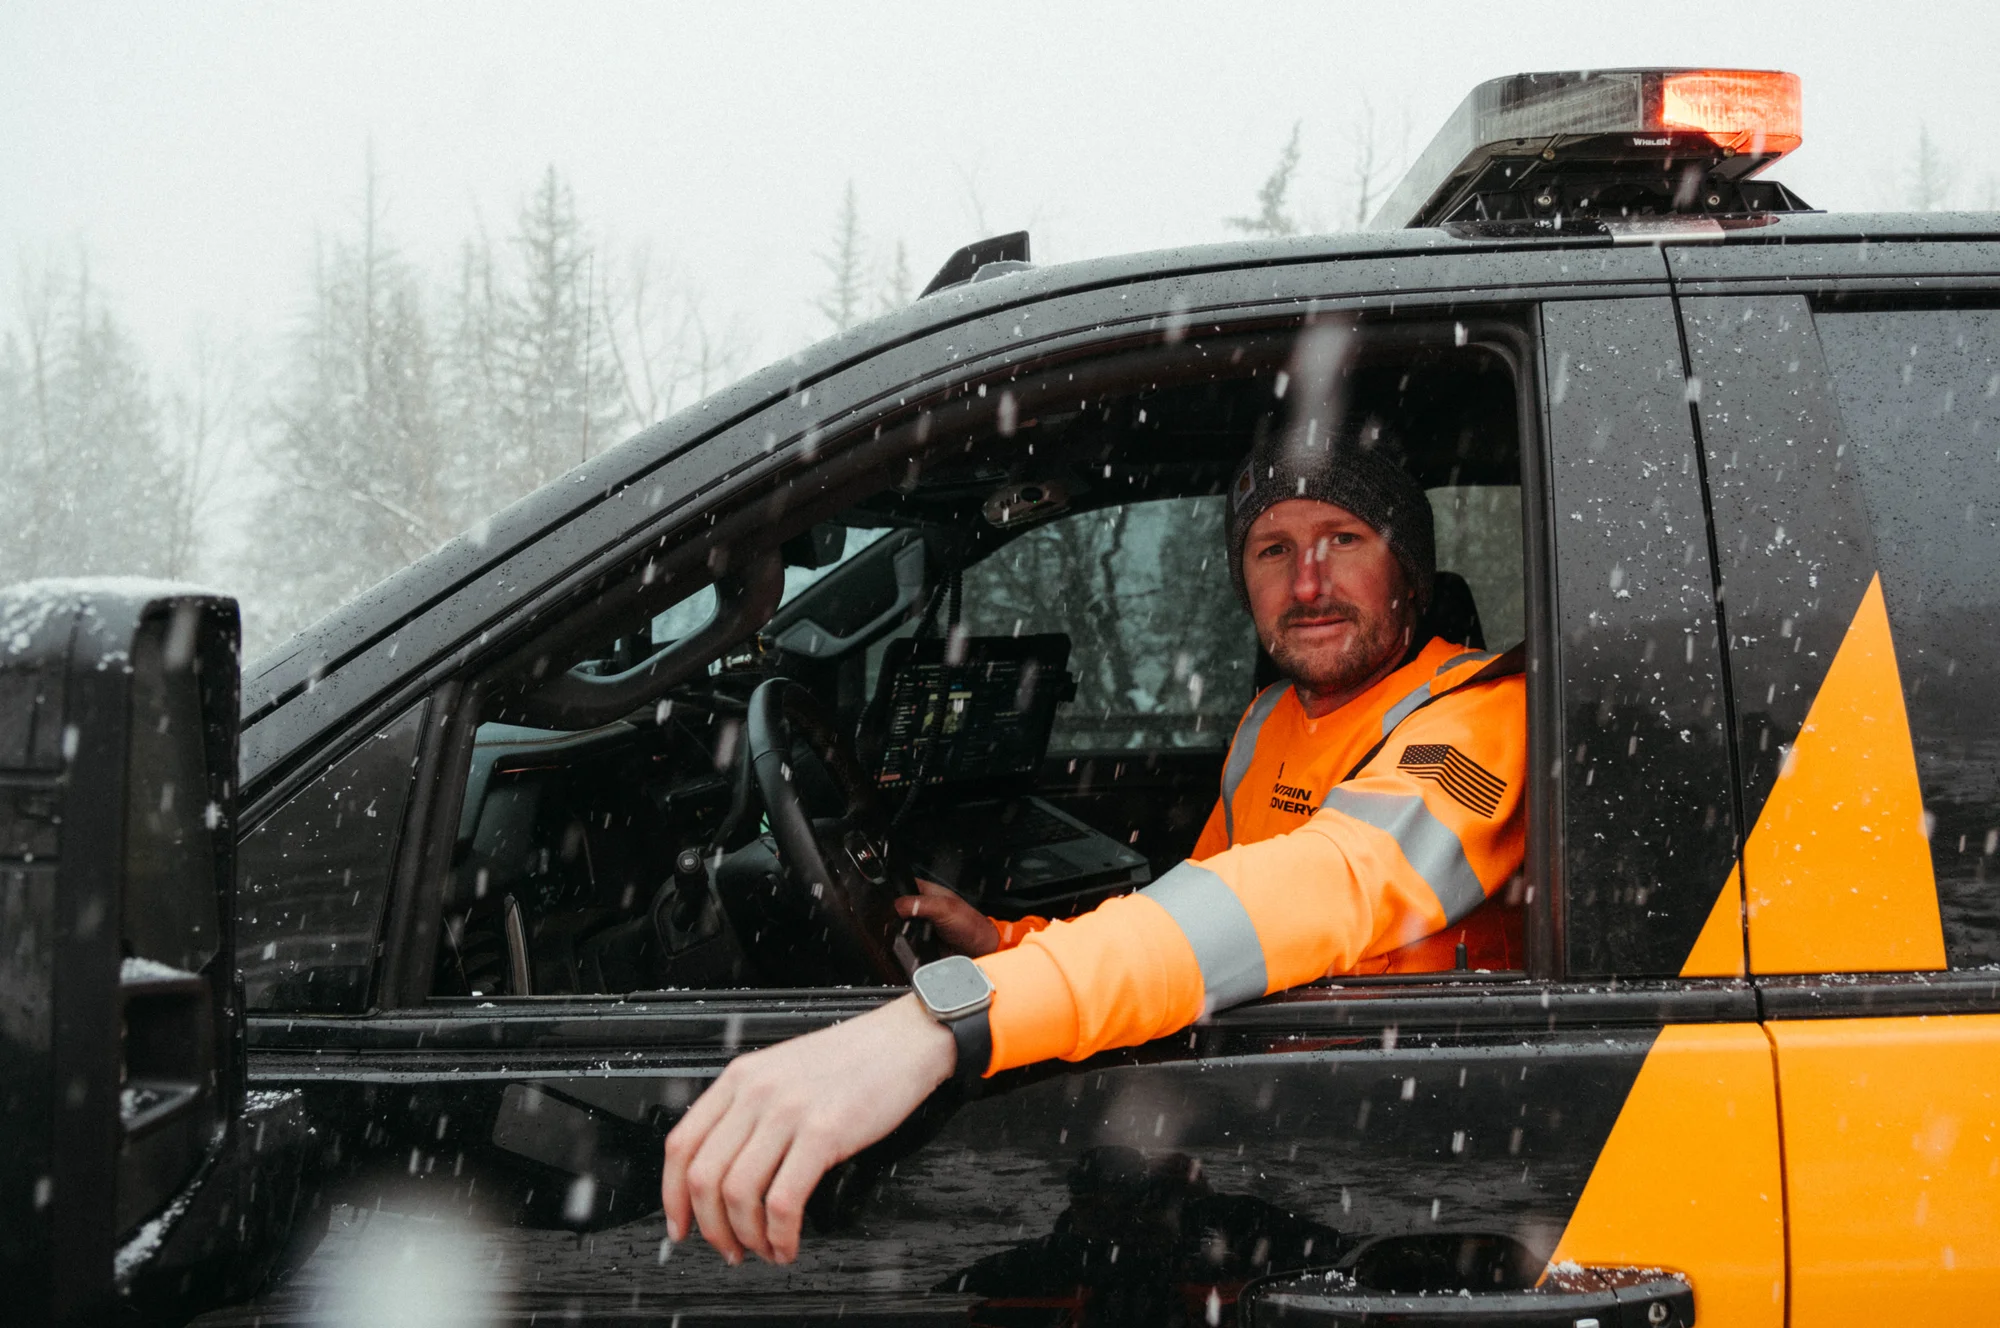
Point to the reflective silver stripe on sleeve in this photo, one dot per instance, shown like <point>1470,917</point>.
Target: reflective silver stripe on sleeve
<point>1244,746</point>
<point>1218,928</point>
<point>1401,710</point>
<point>1427,843</point>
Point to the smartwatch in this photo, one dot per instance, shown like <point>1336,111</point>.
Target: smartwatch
<point>957,993</point>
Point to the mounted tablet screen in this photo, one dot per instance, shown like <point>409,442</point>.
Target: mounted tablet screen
<point>995,707</point>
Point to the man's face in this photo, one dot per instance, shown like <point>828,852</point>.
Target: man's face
<point>1328,596</point>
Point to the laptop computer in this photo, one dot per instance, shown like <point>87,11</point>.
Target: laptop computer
<point>969,734</point>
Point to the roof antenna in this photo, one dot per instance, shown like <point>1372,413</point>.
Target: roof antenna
<point>968,264</point>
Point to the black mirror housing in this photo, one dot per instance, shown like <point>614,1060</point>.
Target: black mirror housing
<point>120,1039</point>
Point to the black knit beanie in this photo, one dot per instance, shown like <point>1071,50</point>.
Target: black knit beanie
<point>1358,471</point>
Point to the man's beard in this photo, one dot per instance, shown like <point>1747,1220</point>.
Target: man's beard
<point>1372,645</point>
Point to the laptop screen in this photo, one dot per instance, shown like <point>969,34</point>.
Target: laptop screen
<point>982,722</point>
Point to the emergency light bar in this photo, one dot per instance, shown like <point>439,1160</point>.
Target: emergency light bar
<point>1557,151</point>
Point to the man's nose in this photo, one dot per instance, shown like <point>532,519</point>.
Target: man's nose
<point>1308,575</point>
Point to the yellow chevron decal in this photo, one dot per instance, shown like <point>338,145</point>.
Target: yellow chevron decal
<point>1718,951</point>
<point>1689,1179</point>
<point>1837,872</point>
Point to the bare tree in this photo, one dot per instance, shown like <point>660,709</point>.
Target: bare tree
<point>207,426</point>
<point>1273,216</point>
<point>1376,164</point>
<point>898,287</point>
<point>1932,175</point>
<point>713,354</point>
<point>973,201</point>
<point>666,349</point>
<point>639,336</point>
<point>842,301</point>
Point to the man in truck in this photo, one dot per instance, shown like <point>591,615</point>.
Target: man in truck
<point>1370,800</point>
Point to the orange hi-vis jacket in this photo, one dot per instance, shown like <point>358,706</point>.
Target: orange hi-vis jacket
<point>1308,866</point>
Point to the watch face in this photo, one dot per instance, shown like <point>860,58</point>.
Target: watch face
<point>952,986</point>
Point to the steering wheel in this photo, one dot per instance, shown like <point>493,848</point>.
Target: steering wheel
<point>832,908</point>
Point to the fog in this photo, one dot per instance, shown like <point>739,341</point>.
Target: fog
<point>201,162</point>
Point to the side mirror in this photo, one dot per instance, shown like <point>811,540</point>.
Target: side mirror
<point>120,1051</point>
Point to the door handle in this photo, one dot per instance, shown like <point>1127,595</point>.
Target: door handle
<point>1662,1303</point>
<point>1459,1280</point>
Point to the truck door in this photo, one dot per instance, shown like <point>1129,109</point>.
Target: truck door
<point>1853,439</point>
<point>1688,1175</point>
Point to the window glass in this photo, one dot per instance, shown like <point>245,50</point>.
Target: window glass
<point>1648,838</point>
<point>1161,645</point>
<point>797,579</point>
<point>1479,537</point>
<point>1919,395</point>
<point>313,878</point>
<point>684,618</point>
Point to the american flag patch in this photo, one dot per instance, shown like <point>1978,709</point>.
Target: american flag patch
<point>1456,773</point>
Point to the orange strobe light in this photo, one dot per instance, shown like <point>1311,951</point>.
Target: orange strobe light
<point>1755,111</point>
<point>1582,144</point>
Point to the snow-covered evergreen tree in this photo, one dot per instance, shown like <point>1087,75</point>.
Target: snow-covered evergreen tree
<point>207,415</point>
<point>844,296</point>
<point>359,461</point>
<point>559,395</point>
<point>1273,216</point>
<point>898,286</point>
<point>90,482</point>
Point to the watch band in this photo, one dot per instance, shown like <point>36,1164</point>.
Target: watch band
<point>974,1036</point>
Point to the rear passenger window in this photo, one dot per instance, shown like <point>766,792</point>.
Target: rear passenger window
<point>1919,397</point>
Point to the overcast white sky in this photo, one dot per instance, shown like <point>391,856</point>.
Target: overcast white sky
<point>195,148</point>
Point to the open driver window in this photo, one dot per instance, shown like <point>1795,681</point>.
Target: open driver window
<point>1021,618</point>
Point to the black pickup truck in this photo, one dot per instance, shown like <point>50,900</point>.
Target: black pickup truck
<point>366,988</point>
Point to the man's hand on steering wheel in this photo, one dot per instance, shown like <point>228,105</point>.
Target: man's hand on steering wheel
<point>963,928</point>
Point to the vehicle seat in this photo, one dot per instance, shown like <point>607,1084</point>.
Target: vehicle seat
<point>1452,615</point>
